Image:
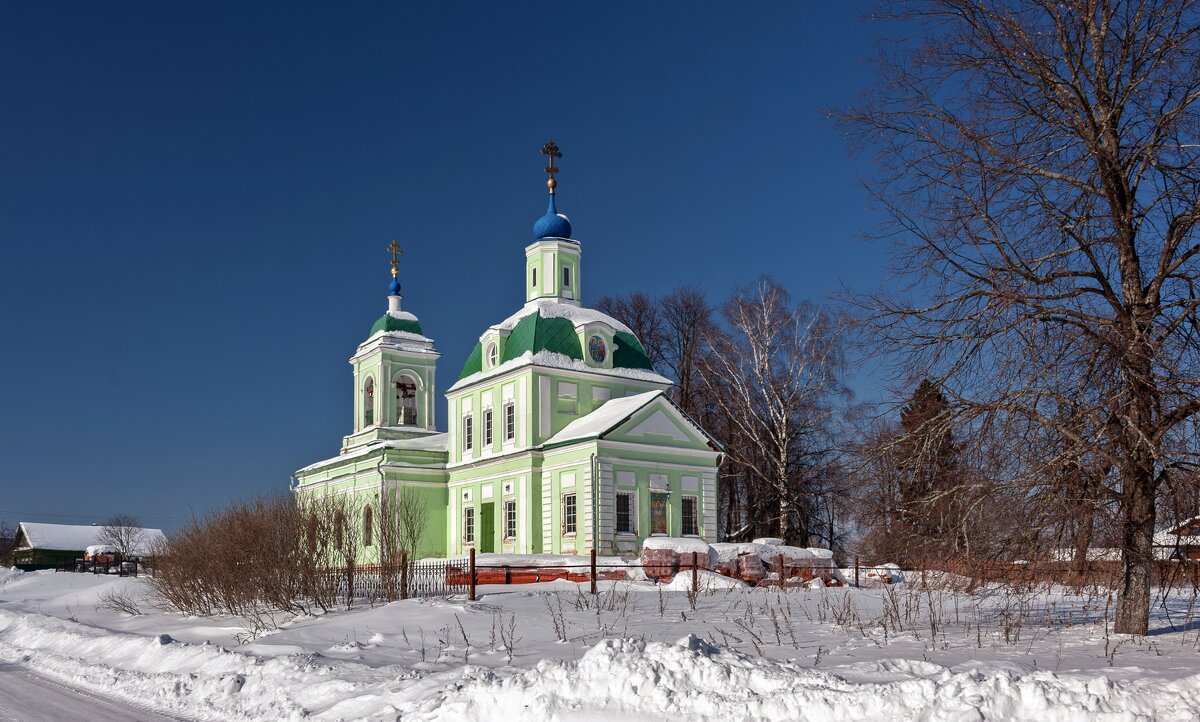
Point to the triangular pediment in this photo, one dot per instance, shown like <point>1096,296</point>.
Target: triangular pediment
<point>660,423</point>
<point>648,418</point>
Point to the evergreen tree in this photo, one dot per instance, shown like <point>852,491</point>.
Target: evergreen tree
<point>930,506</point>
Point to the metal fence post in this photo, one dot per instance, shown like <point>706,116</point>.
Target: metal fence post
<point>782,574</point>
<point>593,562</point>
<point>472,575</point>
<point>695,573</point>
<point>404,574</point>
<point>856,570</point>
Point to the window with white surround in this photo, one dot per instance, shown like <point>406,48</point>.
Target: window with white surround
<point>510,519</point>
<point>487,428</point>
<point>468,525</point>
<point>467,429</point>
<point>368,522</point>
<point>568,514</point>
<point>566,280</point>
<point>533,277</point>
<point>493,354</point>
<point>568,398</point>
<point>406,401</point>
<point>690,516</point>
<point>510,421</point>
<point>626,516</point>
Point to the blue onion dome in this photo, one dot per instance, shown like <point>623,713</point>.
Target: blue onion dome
<point>394,287</point>
<point>552,225</point>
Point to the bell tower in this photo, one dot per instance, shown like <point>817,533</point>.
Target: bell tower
<point>395,374</point>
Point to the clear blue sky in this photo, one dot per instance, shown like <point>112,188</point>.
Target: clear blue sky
<point>195,199</point>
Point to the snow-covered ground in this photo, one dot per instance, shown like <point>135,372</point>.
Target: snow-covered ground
<point>633,652</point>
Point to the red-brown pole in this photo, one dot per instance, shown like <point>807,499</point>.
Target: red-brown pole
<point>856,570</point>
<point>404,575</point>
<point>471,572</point>
<point>593,556</point>
<point>782,575</point>
<point>695,573</point>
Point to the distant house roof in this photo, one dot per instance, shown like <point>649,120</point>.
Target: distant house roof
<point>73,537</point>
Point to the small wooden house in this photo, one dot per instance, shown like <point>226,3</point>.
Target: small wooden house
<point>1180,542</point>
<point>43,546</point>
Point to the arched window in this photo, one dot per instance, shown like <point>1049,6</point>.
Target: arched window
<point>368,526</point>
<point>369,402</point>
<point>406,401</point>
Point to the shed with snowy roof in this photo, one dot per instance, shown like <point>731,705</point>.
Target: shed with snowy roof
<point>41,546</point>
<point>560,439</point>
<point>1180,542</point>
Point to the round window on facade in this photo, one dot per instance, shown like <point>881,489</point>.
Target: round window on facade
<point>597,350</point>
<point>493,355</point>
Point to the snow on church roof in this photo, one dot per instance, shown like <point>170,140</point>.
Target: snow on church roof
<point>550,359</point>
<point>68,537</point>
<point>551,308</point>
<point>428,442</point>
<point>602,419</point>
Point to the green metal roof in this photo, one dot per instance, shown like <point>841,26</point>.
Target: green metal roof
<point>387,322</point>
<point>629,353</point>
<point>474,362</point>
<point>535,333</point>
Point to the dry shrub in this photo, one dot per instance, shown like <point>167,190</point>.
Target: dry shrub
<point>119,600</point>
<point>260,560</point>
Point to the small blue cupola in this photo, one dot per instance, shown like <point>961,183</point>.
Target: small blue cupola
<point>553,224</point>
<point>394,287</point>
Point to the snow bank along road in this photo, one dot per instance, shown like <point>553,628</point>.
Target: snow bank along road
<point>25,697</point>
<point>634,652</point>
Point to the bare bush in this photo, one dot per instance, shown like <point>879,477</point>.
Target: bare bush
<point>247,561</point>
<point>119,600</point>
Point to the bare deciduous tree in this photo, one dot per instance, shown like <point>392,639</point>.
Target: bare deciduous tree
<point>124,532</point>
<point>8,536</point>
<point>641,313</point>
<point>773,375</point>
<point>1039,167</point>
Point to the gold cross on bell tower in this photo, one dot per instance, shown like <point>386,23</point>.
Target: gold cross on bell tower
<point>551,149</point>
<point>394,249</point>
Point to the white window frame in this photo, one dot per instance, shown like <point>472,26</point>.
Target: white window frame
<point>510,420</point>
<point>510,515</point>
<point>493,354</point>
<point>468,529</point>
<point>574,517</point>
<point>468,433</point>
<point>487,428</point>
<point>632,497</point>
<point>683,517</point>
<point>533,279</point>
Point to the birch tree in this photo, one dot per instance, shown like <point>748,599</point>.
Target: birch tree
<point>773,375</point>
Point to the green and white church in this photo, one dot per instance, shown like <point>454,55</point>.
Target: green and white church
<point>561,437</point>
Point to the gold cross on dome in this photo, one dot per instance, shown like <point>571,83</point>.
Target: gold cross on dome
<point>394,249</point>
<point>551,149</point>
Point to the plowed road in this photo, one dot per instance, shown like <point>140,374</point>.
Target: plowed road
<point>26,697</point>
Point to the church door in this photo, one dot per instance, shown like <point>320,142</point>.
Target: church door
<point>487,528</point>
